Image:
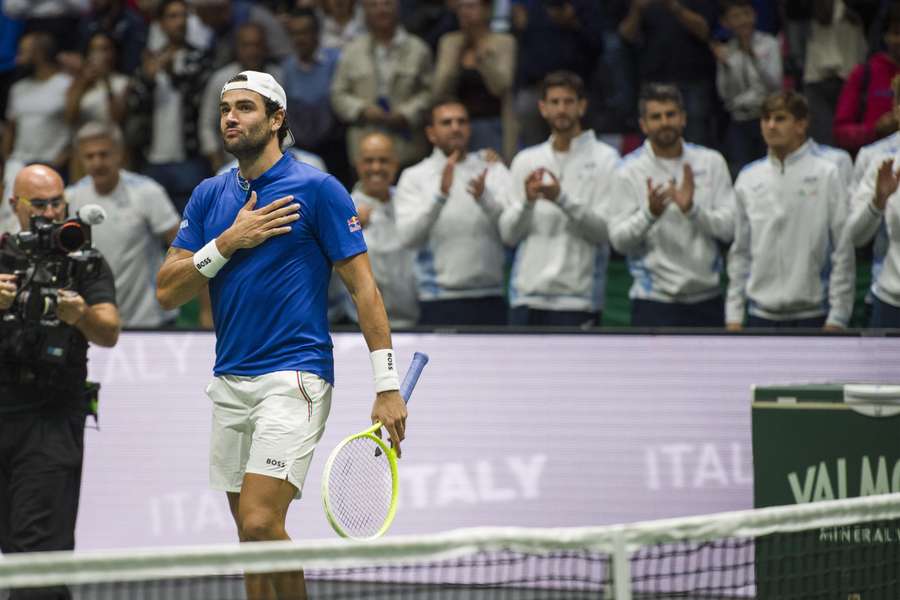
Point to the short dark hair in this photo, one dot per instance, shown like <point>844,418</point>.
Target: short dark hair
<point>659,92</point>
<point>161,9</point>
<point>440,102</point>
<point>304,12</point>
<point>44,44</point>
<point>566,79</point>
<point>107,36</point>
<point>726,5</point>
<point>789,100</point>
<point>252,25</point>
<point>271,107</point>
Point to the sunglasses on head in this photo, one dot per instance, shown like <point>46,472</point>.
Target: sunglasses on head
<point>41,204</point>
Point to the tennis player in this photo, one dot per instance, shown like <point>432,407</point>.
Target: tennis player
<point>264,237</point>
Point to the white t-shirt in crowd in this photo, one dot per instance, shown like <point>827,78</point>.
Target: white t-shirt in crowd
<point>9,222</point>
<point>138,214</point>
<point>392,264</point>
<point>94,105</point>
<point>167,144</point>
<point>37,108</point>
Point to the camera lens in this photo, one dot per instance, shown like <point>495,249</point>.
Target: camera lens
<point>70,236</point>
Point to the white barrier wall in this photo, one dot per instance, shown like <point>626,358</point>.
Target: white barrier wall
<point>528,430</point>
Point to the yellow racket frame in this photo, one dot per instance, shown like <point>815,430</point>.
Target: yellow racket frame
<point>395,484</point>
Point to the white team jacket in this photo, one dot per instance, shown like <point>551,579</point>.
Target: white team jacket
<point>674,257</point>
<point>872,153</point>
<point>563,251</point>
<point>789,258</point>
<point>866,220</point>
<point>839,158</point>
<point>460,254</point>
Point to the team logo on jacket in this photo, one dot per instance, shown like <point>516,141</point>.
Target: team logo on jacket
<point>353,224</point>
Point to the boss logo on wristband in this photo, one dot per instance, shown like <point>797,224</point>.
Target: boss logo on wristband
<point>208,260</point>
<point>383,368</point>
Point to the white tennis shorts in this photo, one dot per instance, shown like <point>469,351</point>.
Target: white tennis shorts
<point>268,424</point>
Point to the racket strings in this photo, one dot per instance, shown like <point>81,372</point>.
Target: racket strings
<point>360,488</point>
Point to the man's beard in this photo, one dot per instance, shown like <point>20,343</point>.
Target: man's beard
<point>666,138</point>
<point>564,125</point>
<point>454,145</point>
<point>248,148</point>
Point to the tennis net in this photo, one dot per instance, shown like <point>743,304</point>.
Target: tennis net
<point>842,549</point>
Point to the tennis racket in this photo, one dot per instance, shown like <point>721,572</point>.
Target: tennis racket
<point>360,482</point>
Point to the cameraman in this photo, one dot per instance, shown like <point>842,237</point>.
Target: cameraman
<point>43,405</point>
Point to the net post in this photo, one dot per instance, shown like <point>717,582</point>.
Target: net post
<point>621,567</point>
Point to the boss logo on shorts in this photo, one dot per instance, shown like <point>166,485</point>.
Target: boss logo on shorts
<point>276,463</point>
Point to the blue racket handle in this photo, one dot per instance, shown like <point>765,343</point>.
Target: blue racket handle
<point>419,360</point>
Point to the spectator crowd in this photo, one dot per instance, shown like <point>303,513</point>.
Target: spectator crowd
<point>701,163</point>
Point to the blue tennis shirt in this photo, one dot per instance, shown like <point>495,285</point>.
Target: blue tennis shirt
<point>270,303</point>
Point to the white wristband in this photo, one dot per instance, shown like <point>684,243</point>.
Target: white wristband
<point>209,260</point>
<point>384,367</point>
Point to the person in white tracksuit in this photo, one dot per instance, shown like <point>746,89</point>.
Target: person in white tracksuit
<point>555,214</point>
<point>876,152</point>
<point>791,264</point>
<point>672,206</point>
<point>875,208</point>
<point>866,166</point>
<point>840,158</point>
<point>446,208</point>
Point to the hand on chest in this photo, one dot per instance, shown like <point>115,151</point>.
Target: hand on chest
<point>271,208</point>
